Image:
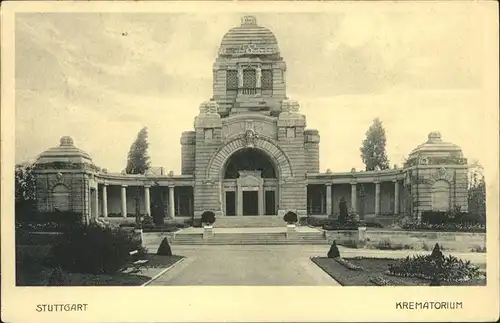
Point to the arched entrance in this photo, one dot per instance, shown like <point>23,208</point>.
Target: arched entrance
<point>249,154</point>
<point>250,184</point>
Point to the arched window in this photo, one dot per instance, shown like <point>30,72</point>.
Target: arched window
<point>441,196</point>
<point>60,198</point>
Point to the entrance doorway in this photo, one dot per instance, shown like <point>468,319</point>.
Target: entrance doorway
<point>270,203</point>
<point>250,203</point>
<point>230,203</point>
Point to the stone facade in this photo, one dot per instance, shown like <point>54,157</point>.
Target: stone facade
<point>250,153</point>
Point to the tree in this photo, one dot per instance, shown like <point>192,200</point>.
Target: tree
<point>138,160</point>
<point>25,190</point>
<point>477,191</point>
<point>372,150</point>
<point>138,163</point>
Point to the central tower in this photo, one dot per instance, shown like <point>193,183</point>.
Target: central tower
<point>249,73</point>
<point>250,151</point>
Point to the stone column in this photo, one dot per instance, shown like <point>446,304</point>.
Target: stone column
<point>124,201</point>
<point>353,198</point>
<point>328,199</point>
<point>239,202</point>
<point>396,197</point>
<point>377,198</point>
<point>105,200</point>
<point>258,77</point>
<point>147,200</point>
<point>261,200</point>
<point>96,201</point>
<point>171,201</point>
<point>240,77</point>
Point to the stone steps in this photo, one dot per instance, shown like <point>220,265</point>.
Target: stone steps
<point>263,221</point>
<point>246,238</point>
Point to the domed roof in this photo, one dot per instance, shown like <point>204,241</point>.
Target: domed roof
<point>66,152</point>
<point>248,39</point>
<point>436,147</point>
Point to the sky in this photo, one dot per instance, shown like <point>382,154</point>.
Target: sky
<point>101,77</point>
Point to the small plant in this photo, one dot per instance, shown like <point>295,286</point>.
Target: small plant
<point>148,222</point>
<point>58,278</point>
<point>425,246</point>
<point>290,217</point>
<point>334,251</point>
<point>208,217</point>
<point>164,249</point>
<point>478,249</point>
<point>436,252</point>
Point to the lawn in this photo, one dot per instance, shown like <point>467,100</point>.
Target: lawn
<point>33,270</point>
<point>375,267</point>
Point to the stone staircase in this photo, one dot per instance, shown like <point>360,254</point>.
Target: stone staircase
<point>263,221</point>
<point>251,238</point>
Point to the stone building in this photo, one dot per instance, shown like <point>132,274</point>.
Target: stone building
<point>250,154</point>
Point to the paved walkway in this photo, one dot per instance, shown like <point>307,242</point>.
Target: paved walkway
<point>267,265</point>
<point>244,265</point>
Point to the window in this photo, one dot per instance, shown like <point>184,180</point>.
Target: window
<point>441,196</point>
<point>249,79</point>
<point>267,79</point>
<point>290,132</point>
<point>232,80</point>
<point>60,198</point>
<point>209,134</point>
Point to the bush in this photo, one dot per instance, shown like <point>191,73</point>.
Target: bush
<point>208,217</point>
<point>147,222</point>
<point>95,250</point>
<point>335,225</point>
<point>436,252</point>
<point>455,217</point>
<point>290,217</point>
<point>164,249</point>
<point>370,224</point>
<point>334,251</point>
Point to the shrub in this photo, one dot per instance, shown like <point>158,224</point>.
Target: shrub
<point>335,225</point>
<point>334,251</point>
<point>436,252</point>
<point>456,217</point>
<point>208,217</point>
<point>147,222</point>
<point>92,249</point>
<point>164,249</point>
<point>290,217</point>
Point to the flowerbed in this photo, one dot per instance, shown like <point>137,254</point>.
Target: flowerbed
<point>347,264</point>
<point>374,273</point>
<point>445,269</point>
<point>446,227</point>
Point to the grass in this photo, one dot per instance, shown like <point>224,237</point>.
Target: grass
<point>32,270</point>
<point>374,267</point>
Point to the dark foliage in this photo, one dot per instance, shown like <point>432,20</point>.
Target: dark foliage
<point>96,250</point>
<point>334,251</point>
<point>447,227</point>
<point>147,222</point>
<point>336,225</point>
<point>290,217</point>
<point>455,217</point>
<point>343,211</point>
<point>57,278</point>
<point>208,217</point>
<point>436,252</point>
<point>440,269</point>
<point>164,249</point>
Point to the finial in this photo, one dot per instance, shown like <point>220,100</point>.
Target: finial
<point>434,136</point>
<point>66,141</point>
<point>248,20</point>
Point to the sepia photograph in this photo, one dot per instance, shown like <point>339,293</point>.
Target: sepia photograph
<point>349,147</point>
